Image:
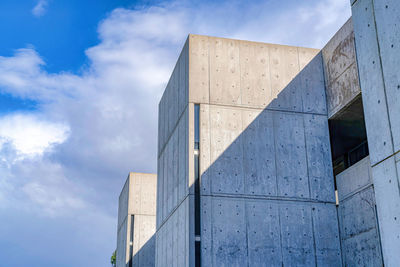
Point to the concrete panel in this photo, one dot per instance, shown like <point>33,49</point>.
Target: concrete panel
<point>224,72</point>
<point>142,193</point>
<point>387,16</point>
<point>297,235</point>
<point>291,161</point>
<point>386,183</point>
<point>175,178</point>
<point>206,230</point>
<point>289,98</point>
<point>341,69</point>
<point>205,146</point>
<point>226,150</point>
<point>370,72</point>
<point>313,86</point>
<point>259,153</point>
<point>263,231</point>
<point>170,175</point>
<point>199,69</point>
<point>123,203</point>
<point>255,80</point>
<point>122,244</point>
<point>165,184</point>
<point>229,239</point>
<point>306,55</point>
<point>284,66</point>
<point>182,146</point>
<point>326,235</point>
<point>357,214</point>
<point>183,76</point>
<point>354,178</point>
<point>319,160</point>
<point>362,251</point>
<point>190,149</point>
<point>181,245</point>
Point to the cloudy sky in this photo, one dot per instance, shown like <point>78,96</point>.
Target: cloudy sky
<point>79,86</point>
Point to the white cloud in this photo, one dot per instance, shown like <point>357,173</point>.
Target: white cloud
<point>40,8</point>
<point>30,135</point>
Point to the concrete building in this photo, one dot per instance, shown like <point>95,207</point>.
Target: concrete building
<point>254,140</point>
<point>273,155</point>
<point>136,221</point>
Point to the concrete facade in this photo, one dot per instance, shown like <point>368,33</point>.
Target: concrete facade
<point>264,158</point>
<point>377,35</point>
<point>136,221</point>
<point>256,139</point>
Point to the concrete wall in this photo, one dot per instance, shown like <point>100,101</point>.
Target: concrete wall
<point>357,216</point>
<point>377,35</point>
<point>138,198</point>
<point>266,176</point>
<point>266,184</point>
<point>341,73</point>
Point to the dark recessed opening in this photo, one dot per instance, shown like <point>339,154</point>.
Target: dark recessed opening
<point>348,136</point>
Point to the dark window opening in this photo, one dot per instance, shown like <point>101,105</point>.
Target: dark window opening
<point>348,136</point>
<point>131,240</point>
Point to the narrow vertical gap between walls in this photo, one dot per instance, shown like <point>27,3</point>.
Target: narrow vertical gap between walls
<point>131,236</point>
<point>197,224</point>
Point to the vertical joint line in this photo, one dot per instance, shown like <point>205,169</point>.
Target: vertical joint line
<point>197,226</point>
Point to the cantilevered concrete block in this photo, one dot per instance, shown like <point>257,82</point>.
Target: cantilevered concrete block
<point>136,221</point>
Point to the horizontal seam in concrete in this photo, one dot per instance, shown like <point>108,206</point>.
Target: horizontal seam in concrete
<point>359,190</point>
<point>360,233</point>
<point>266,108</point>
<point>141,214</point>
<point>172,132</point>
<point>248,197</point>
<point>392,155</point>
<point>334,80</point>
<point>172,212</point>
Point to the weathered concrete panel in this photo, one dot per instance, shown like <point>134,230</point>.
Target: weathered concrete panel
<point>319,161</point>
<point>371,81</point>
<point>387,16</point>
<point>226,150</point>
<point>326,234</point>
<point>259,153</point>
<point>224,72</point>
<point>297,235</point>
<point>341,69</point>
<point>199,69</point>
<point>291,161</point>
<point>123,203</point>
<point>122,244</point>
<point>229,240</point>
<point>263,231</point>
<point>386,183</point>
<point>205,146</point>
<point>255,80</point>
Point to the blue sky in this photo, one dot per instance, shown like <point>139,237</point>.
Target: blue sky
<point>79,86</point>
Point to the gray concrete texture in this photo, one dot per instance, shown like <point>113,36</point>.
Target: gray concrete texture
<point>138,198</point>
<point>266,173</point>
<point>357,216</point>
<point>377,36</point>
<point>341,72</point>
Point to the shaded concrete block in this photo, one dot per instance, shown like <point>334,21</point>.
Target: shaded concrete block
<point>259,153</point>
<point>386,183</point>
<point>370,72</point>
<point>181,167</point>
<point>387,16</point>
<point>291,163</point>
<point>121,255</point>
<point>289,98</point>
<point>306,55</point>
<point>199,69</point>
<point>205,148</point>
<point>255,80</point>
<point>224,72</point>
<point>297,235</point>
<point>319,161</point>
